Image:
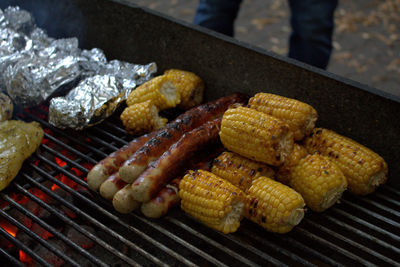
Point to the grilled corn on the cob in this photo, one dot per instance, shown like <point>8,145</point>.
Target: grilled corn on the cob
<point>275,206</point>
<point>300,116</point>
<point>189,85</point>
<point>364,169</point>
<point>160,90</point>
<point>212,200</point>
<point>142,118</point>
<point>284,172</point>
<point>238,170</point>
<point>256,135</point>
<point>320,182</point>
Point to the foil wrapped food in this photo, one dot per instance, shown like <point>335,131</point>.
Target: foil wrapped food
<point>35,68</point>
<point>97,97</point>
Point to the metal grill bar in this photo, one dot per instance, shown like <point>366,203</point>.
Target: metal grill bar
<point>23,247</point>
<point>217,245</point>
<point>331,245</point>
<point>11,258</point>
<point>64,158</point>
<point>313,252</point>
<point>122,141</point>
<point>61,133</point>
<point>116,219</point>
<point>69,148</point>
<point>38,238</point>
<point>367,224</point>
<point>273,247</point>
<point>373,214</point>
<point>70,222</point>
<point>54,231</point>
<point>363,234</point>
<point>351,242</point>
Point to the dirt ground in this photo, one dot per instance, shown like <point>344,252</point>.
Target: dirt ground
<point>366,38</point>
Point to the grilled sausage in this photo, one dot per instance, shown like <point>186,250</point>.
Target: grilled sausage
<point>111,186</point>
<point>123,200</point>
<point>157,145</point>
<point>174,160</point>
<point>102,170</point>
<point>167,198</point>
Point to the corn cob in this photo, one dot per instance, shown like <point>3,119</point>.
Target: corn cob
<point>300,116</point>
<point>238,170</point>
<point>284,172</point>
<point>142,118</point>
<point>364,169</point>
<point>212,200</point>
<point>189,85</point>
<point>273,205</point>
<point>159,90</point>
<point>256,135</point>
<point>319,181</point>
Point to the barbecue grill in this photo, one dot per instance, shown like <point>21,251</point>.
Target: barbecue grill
<point>49,217</point>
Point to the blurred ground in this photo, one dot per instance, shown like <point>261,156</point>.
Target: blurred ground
<point>366,38</point>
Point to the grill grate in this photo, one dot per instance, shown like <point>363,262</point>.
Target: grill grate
<point>360,230</point>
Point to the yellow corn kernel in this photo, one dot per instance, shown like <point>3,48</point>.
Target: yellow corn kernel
<point>256,135</point>
<point>189,85</point>
<point>142,118</point>
<point>300,116</point>
<point>364,169</point>
<point>238,170</point>
<point>159,90</point>
<point>284,172</point>
<point>212,200</point>
<point>274,206</point>
<point>320,182</point>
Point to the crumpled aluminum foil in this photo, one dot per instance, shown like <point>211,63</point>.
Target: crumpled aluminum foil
<point>35,67</point>
<point>97,97</point>
<point>37,76</point>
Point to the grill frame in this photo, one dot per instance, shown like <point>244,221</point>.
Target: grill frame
<point>354,228</point>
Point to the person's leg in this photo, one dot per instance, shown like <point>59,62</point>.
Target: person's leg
<point>217,15</point>
<point>312,28</point>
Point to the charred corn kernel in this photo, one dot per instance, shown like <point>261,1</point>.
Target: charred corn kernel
<point>256,135</point>
<point>320,182</point>
<point>212,200</point>
<point>142,118</point>
<point>274,206</point>
<point>284,172</point>
<point>300,116</point>
<point>159,90</point>
<point>238,170</point>
<point>189,85</point>
<point>364,169</point>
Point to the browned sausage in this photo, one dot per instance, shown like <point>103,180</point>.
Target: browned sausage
<point>167,198</point>
<point>111,186</point>
<point>123,200</point>
<point>102,170</point>
<point>174,160</point>
<point>157,145</point>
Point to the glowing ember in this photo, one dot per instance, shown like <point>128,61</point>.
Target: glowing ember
<point>9,228</point>
<point>38,193</point>
<point>60,162</point>
<point>54,187</point>
<point>23,257</point>
<point>77,172</point>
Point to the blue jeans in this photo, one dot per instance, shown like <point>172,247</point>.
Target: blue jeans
<point>311,20</point>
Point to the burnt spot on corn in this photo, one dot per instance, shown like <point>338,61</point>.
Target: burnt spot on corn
<point>263,219</point>
<point>252,172</point>
<point>319,131</point>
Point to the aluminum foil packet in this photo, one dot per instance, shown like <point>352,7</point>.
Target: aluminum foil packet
<point>97,97</point>
<point>35,68</point>
<point>32,65</point>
